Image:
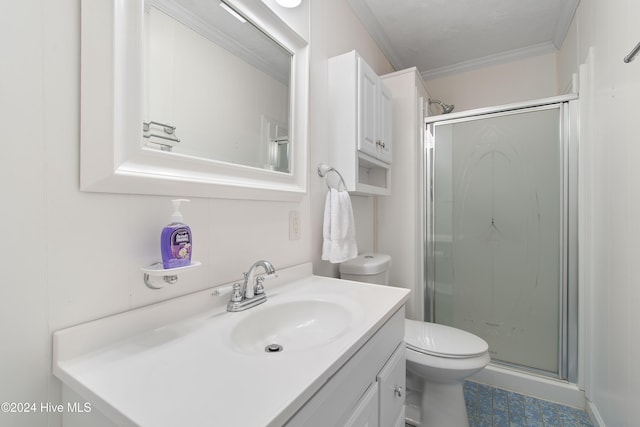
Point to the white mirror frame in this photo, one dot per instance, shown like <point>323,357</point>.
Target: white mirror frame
<point>113,158</point>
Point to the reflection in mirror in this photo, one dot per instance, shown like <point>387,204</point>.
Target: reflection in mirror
<point>215,86</point>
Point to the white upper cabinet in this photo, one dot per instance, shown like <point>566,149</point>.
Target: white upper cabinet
<point>374,108</point>
<point>360,125</point>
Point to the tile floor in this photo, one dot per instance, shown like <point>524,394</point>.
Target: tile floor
<point>494,407</point>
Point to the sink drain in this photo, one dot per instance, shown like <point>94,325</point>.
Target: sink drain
<point>273,348</point>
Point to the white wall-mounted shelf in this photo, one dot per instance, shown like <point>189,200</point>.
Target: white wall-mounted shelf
<point>373,176</point>
<point>169,275</point>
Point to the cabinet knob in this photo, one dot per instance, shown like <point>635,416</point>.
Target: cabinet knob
<point>380,144</point>
<point>398,391</point>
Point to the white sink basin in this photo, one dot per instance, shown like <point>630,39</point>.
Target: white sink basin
<point>291,326</point>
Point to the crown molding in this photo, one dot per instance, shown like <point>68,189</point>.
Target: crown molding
<point>490,60</point>
<point>371,24</point>
<point>564,22</point>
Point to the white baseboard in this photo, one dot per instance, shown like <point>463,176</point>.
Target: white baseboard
<point>594,414</point>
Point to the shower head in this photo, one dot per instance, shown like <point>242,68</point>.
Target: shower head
<point>446,109</point>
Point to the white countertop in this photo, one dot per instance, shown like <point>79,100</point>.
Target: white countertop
<point>188,372</point>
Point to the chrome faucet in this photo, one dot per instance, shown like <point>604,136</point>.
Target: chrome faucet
<point>252,291</point>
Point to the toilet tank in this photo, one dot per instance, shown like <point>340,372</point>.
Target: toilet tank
<point>369,268</point>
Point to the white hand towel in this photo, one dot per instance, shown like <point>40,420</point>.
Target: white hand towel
<point>339,231</point>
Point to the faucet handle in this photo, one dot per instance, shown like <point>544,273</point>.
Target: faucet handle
<point>259,288</point>
<point>236,294</point>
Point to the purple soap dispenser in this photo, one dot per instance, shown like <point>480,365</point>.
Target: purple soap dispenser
<point>175,241</point>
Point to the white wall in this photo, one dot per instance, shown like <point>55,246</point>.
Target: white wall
<point>568,60</point>
<point>23,294</point>
<point>604,32</point>
<point>515,81</point>
<point>69,257</point>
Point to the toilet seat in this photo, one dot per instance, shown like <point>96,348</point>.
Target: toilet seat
<point>442,341</point>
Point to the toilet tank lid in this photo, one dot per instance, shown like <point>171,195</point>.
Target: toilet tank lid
<point>366,264</point>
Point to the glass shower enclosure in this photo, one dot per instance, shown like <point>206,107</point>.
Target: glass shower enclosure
<point>500,230</point>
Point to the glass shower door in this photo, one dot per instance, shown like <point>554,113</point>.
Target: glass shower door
<point>496,236</point>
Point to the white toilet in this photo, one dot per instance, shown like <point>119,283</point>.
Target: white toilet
<point>441,357</point>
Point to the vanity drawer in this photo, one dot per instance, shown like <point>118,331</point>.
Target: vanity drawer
<point>392,387</point>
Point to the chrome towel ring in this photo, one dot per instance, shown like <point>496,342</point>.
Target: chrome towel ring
<point>324,169</point>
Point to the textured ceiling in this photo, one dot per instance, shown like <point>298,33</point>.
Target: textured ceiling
<point>440,37</point>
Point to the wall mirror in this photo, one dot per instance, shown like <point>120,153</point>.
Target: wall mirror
<point>192,97</point>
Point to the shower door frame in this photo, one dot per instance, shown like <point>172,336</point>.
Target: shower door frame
<point>568,310</point>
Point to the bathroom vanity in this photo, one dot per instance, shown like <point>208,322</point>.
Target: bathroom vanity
<point>188,361</point>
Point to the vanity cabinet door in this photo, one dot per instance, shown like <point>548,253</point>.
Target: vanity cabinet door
<point>392,388</point>
<point>400,421</point>
<point>365,413</point>
<point>352,395</point>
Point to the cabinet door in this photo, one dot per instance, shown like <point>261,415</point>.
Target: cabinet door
<point>365,413</point>
<point>385,135</point>
<point>392,383</point>
<point>367,108</point>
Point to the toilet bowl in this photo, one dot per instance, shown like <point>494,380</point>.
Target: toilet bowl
<point>440,356</point>
<point>443,357</point>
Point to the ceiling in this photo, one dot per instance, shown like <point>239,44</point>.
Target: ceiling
<point>442,37</point>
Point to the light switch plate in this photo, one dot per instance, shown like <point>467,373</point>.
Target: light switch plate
<point>294,225</point>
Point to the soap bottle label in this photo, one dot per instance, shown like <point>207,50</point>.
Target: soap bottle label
<point>181,244</point>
